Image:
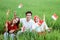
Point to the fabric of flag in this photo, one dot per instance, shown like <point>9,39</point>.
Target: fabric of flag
<point>54,16</point>
<point>40,22</point>
<point>20,5</point>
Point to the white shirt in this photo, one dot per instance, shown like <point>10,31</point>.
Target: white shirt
<point>27,25</point>
<point>41,28</point>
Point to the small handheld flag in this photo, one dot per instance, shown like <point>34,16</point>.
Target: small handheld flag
<point>20,5</point>
<point>55,17</point>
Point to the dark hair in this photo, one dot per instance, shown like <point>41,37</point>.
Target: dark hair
<point>18,22</point>
<point>28,12</point>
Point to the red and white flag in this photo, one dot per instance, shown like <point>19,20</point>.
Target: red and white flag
<point>54,16</point>
<point>20,5</point>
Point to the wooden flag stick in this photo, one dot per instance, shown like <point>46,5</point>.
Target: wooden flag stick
<point>7,14</point>
<point>44,17</point>
<point>15,14</point>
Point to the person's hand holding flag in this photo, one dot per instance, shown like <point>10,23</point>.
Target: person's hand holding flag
<point>7,14</point>
<point>55,17</point>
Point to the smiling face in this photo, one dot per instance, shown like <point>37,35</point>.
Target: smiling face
<point>36,19</point>
<point>28,16</point>
<point>15,20</point>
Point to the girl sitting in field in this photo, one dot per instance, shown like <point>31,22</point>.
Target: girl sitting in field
<point>40,25</point>
<point>10,28</point>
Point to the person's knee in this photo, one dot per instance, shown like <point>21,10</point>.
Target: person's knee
<point>12,35</point>
<point>5,34</point>
<point>19,32</point>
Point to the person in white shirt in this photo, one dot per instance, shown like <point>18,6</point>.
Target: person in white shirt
<point>40,25</point>
<point>27,23</point>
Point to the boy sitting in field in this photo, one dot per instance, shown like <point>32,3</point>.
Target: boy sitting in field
<point>27,23</point>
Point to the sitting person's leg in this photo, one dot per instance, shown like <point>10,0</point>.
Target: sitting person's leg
<point>44,26</point>
<point>18,33</point>
<point>6,36</point>
<point>12,36</point>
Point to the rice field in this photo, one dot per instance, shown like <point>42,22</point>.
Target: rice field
<point>38,7</point>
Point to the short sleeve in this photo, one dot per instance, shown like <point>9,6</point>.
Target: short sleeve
<point>33,27</point>
<point>22,19</point>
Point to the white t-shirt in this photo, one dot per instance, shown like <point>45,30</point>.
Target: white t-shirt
<point>27,25</point>
<point>41,28</point>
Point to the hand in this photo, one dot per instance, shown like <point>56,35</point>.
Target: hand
<point>11,31</point>
<point>23,29</point>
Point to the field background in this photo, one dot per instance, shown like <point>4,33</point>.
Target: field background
<point>38,7</point>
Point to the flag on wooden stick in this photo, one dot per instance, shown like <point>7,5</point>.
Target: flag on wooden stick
<point>20,5</point>
<point>54,16</point>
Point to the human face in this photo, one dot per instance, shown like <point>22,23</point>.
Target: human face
<point>36,19</point>
<point>15,20</point>
<point>28,16</point>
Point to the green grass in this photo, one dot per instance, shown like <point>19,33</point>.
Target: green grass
<point>53,35</point>
<point>38,7</point>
